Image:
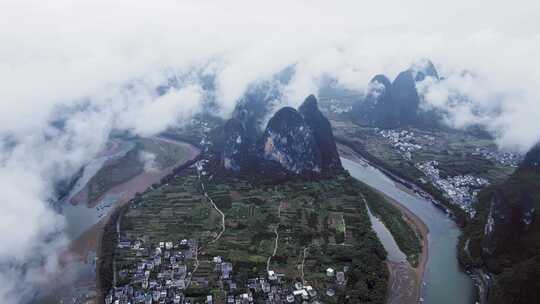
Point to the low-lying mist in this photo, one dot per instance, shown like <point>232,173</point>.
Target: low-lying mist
<point>72,72</point>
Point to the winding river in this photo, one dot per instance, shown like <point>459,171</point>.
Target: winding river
<point>80,218</point>
<point>84,223</point>
<point>446,283</point>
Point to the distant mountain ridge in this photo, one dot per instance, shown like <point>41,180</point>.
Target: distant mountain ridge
<point>397,104</point>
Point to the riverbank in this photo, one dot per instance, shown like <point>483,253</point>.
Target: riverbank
<point>86,223</point>
<point>126,191</point>
<point>420,227</point>
<point>426,191</point>
<point>443,275</point>
<point>405,281</point>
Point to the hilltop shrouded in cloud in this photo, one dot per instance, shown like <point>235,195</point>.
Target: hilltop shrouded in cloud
<point>94,66</point>
<point>507,113</point>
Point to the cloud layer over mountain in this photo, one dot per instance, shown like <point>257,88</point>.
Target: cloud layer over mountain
<point>95,64</point>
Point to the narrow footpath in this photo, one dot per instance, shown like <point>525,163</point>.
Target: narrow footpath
<point>275,241</point>
<point>199,168</point>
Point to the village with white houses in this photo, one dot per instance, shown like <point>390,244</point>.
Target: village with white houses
<point>461,189</point>
<point>169,272</point>
<point>404,141</point>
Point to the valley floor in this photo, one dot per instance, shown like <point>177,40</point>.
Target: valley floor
<point>231,239</point>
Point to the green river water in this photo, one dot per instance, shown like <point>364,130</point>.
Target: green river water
<point>445,281</point>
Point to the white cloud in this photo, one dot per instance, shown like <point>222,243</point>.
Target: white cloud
<point>149,116</point>
<point>149,161</point>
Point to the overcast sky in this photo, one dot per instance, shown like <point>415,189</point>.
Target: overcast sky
<point>57,55</point>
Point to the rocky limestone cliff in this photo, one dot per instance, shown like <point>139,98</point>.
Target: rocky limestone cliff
<point>513,206</point>
<point>259,100</point>
<point>405,100</point>
<point>506,231</point>
<point>424,68</point>
<point>235,146</point>
<point>324,137</point>
<point>289,141</point>
<point>293,143</point>
<point>376,102</point>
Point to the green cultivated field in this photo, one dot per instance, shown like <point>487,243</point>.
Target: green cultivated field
<point>320,224</point>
